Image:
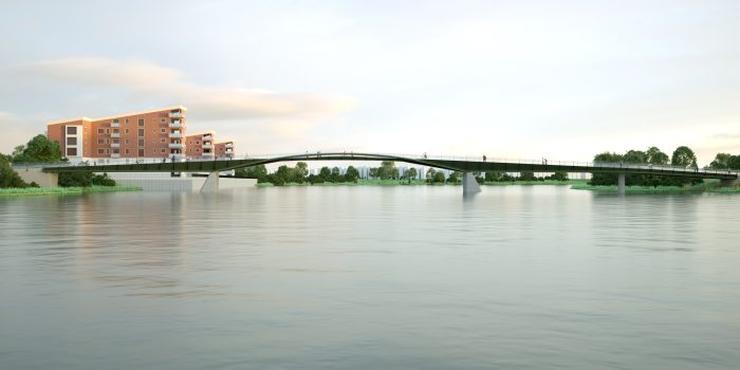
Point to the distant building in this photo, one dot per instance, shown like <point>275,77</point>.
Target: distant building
<point>157,133</point>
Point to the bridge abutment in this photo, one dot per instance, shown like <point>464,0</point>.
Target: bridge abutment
<point>211,183</point>
<point>621,180</point>
<point>470,184</point>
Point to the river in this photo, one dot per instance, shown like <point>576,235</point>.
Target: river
<point>405,277</point>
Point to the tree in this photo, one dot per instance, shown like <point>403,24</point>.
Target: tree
<point>734,162</point>
<point>439,177</point>
<point>38,149</point>
<point>527,176</point>
<point>683,156</point>
<point>721,161</point>
<point>635,157</point>
<point>454,177</point>
<point>656,157</point>
<point>605,178</point>
<point>336,175</point>
<point>410,174</point>
<point>559,176</point>
<point>431,172</point>
<point>8,177</point>
<point>301,169</point>
<point>492,176</point>
<point>387,170</point>
<point>254,172</point>
<point>352,174</point>
<point>77,179</point>
<point>324,174</point>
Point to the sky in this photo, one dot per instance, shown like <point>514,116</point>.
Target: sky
<point>561,80</point>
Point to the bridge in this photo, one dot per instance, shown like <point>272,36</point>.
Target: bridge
<point>466,165</point>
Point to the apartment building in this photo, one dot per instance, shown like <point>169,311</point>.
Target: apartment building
<point>200,145</point>
<point>225,149</point>
<point>149,134</point>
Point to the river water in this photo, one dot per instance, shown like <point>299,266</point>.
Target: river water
<point>518,277</point>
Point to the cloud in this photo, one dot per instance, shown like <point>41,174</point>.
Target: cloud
<point>15,131</point>
<point>142,79</point>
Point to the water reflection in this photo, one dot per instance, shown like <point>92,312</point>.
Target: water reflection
<point>367,277</point>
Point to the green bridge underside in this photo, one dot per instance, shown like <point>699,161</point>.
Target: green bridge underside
<point>450,164</point>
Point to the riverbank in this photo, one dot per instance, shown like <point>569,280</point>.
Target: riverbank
<point>18,192</point>
<point>709,187</point>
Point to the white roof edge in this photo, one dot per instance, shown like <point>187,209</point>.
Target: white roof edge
<point>118,115</point>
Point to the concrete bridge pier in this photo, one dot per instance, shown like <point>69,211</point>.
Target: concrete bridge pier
<point>621,179</point>
<point>211,183</point>
<point>470,184</point>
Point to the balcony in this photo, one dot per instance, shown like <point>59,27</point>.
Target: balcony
<point>115,134</point>
<point>207,146</point>
<point>115,124</point>
<point>176,146</point>
<point>175,134</point>
<point>115,155</point>
<point>175,114</point>
<point>115,145</point>
<point>229,145</point>
<point>175,124</point>
<point>207,137</point>
<point>209,155</point>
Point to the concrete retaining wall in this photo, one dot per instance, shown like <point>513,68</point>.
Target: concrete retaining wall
<point>34,174</point>
<point>149,181</point>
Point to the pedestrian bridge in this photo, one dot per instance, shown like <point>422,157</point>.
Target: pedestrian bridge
<point>466,165</point>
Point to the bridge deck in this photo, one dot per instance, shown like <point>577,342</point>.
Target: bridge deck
<point>456,164</point>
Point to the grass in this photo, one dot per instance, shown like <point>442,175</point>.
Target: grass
<point>13,192</point>
<point>709,186</point>
<point>379,182</point>
<point>535,182</point>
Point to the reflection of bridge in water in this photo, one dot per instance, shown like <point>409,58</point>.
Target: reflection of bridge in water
<point>466,165</point>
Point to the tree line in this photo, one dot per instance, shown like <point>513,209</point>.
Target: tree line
<point>682,156</point>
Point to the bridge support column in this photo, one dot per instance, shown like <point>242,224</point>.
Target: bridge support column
<point>211,184</point>
<point>470,184</point>
<point>620,184</point>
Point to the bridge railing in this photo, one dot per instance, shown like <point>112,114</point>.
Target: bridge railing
<point>328,156</point>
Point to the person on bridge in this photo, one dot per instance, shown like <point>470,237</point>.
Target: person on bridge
<point>484,157</point>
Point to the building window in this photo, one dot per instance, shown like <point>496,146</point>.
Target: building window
<point>141,152</point>
<point>126,131</point>
<point>101,131</point>
<point>141,132</point>
<point>162,120</point>
<point>197,142</point>
<point>71,141</point>
<point>116,141</point>
<point>162,140</point>
<point>101,151</point>
<point>116,151</point>
<point>141,142</point>
<point>162,150</point>
<point>127,152</point>
<point>126,141</point>
<point>141,122</point>
<point>101,141</point>
<point>71,130</point>
<point>164,130</point>
<point>71,151</point>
